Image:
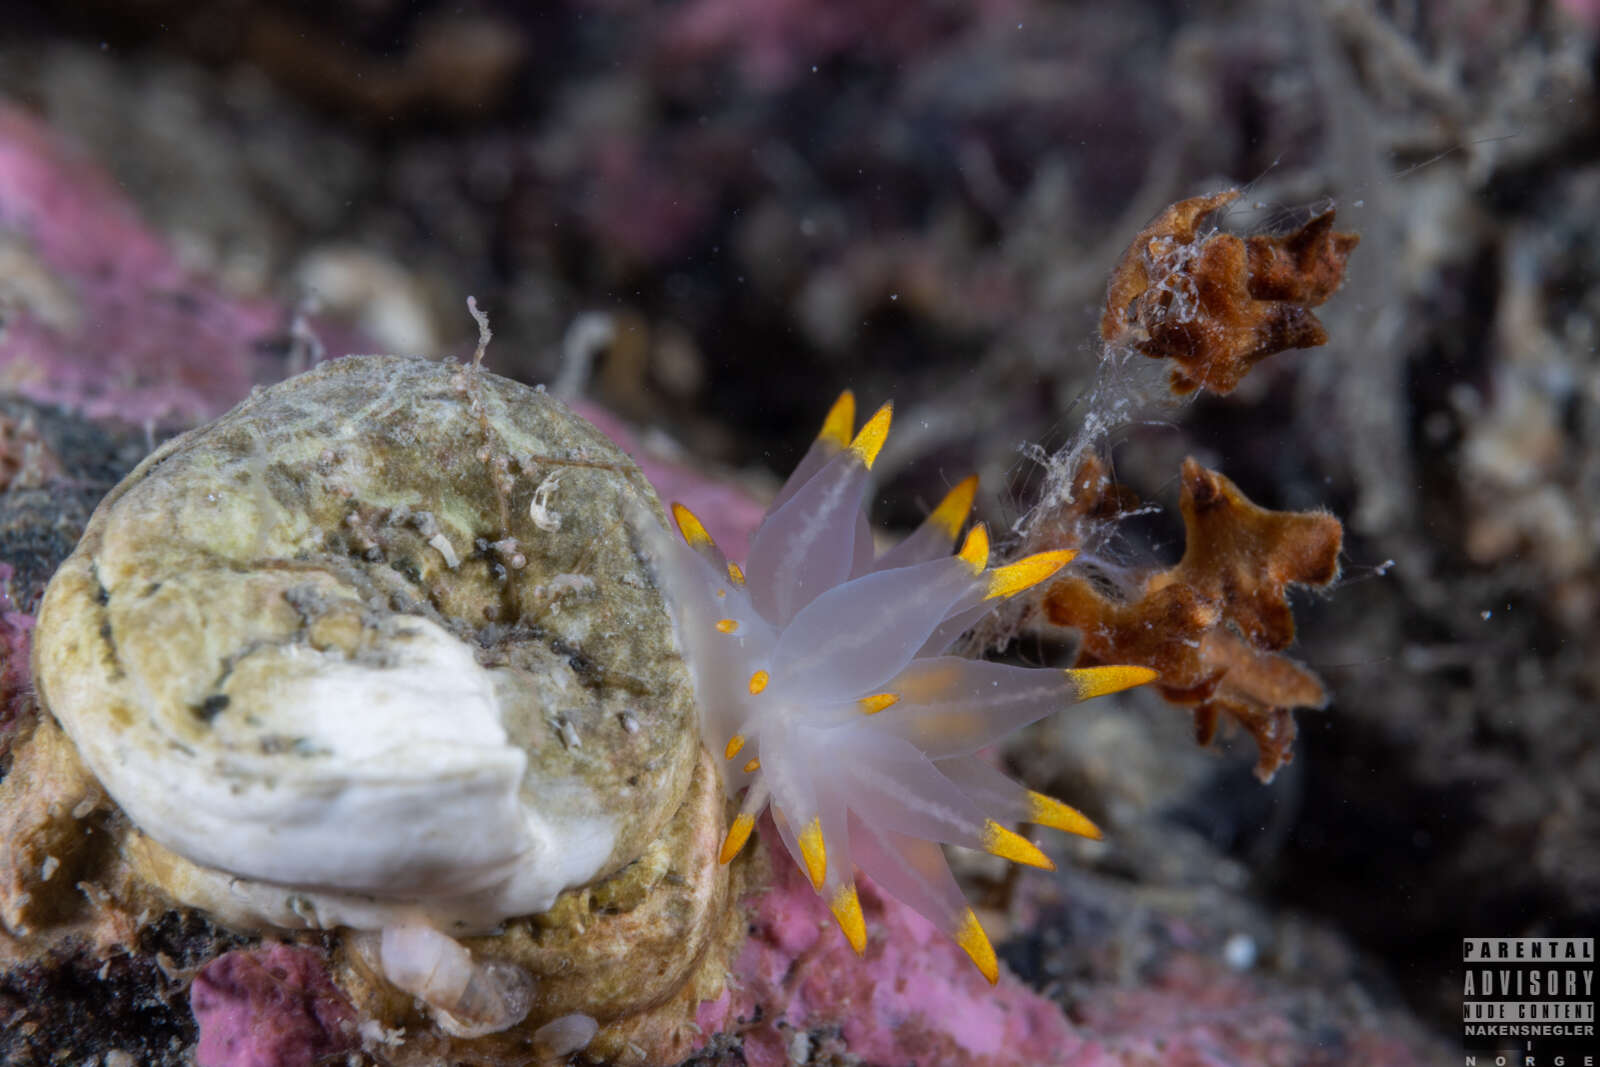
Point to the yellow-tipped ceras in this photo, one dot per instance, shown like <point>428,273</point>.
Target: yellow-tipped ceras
<point>823,680</point>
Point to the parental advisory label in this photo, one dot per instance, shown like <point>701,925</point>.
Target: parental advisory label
<point>1529,1002</point>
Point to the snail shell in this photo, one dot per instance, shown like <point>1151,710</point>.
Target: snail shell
<point>379,645</point>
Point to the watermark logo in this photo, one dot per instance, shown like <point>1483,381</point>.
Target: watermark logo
<point>1529,1002</point>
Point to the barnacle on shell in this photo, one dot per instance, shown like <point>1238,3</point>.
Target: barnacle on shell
<point>823,682</point>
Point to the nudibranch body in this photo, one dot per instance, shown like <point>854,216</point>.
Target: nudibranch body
<point>823,684</point>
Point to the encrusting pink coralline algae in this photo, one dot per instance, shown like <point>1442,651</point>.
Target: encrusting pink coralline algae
<point>822,678</point>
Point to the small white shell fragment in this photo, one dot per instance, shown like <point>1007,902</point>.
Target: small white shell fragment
<point>47,869</point>
<point>374,1034</point>
<point>569,734</point>
<point>442,543</point>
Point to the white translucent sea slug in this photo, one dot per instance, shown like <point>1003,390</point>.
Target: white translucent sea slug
<point>822,678</point>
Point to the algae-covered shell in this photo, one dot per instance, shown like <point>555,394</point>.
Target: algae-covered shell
<point>381,641</point>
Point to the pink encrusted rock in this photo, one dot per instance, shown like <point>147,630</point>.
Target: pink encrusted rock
<point>272,1006</point>
<point>100,315</point>
<point>1192,1011</point>
<point>915,997</point>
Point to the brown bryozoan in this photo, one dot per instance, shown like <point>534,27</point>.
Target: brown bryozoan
<point>1217,304</point>
<point>1215,624</point>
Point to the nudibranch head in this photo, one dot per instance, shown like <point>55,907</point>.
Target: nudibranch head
<point>824,684</point>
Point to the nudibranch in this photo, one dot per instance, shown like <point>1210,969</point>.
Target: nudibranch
<point>824,684</point>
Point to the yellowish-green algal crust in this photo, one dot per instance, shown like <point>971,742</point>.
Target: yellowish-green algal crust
<point>382,644</point>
